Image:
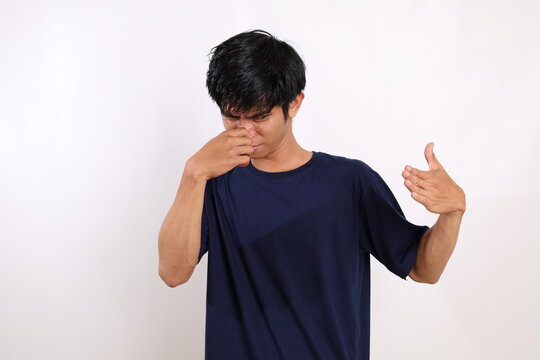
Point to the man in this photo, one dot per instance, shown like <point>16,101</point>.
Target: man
<point>289,232</point>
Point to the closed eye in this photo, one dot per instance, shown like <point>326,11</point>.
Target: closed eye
<point>256,118</point>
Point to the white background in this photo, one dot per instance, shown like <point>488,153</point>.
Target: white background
<point>102,102</point>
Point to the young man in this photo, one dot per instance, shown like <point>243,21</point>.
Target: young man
<point>289,232</point>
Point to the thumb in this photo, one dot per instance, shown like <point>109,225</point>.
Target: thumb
<point>432,161</point>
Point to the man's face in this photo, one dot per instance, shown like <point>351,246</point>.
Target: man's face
<point>268,129</point>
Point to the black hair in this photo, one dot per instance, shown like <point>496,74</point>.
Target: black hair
<point>254,70</point>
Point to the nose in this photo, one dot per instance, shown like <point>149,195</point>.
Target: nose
<point>247,124</point>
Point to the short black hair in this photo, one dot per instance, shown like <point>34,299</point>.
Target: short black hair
<point>254,70</point>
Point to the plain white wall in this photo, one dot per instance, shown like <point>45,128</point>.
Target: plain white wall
<point>102,102</point>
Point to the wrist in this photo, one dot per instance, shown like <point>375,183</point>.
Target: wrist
<point>456,213</point>
<point>193,172</point>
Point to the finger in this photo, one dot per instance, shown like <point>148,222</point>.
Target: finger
<point>415,180</point>
<point>244,150</point>
<point>241,131</point>
<point>243,160</point>
<point>422,199</point>
<point>242,140</point>
<point>419,173</point>
<point>414,188</point>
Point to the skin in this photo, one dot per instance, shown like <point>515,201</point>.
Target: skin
<point>439,194</point>
<point>278,150</point>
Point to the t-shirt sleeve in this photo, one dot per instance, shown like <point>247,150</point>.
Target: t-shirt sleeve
<point>386,233</point>
<point>205,231</point>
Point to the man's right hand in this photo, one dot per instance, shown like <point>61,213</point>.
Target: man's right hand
<point>222,153</point>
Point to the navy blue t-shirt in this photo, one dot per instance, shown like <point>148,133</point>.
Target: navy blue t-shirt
<point>289,258</point>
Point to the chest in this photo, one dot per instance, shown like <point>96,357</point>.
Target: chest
<point>306,207</point>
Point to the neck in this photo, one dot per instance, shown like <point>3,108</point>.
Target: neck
<point>288,155</point>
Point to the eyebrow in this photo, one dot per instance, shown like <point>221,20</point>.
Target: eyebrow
<point>227,114</point>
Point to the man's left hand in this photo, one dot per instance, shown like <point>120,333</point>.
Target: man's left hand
<point>434,188</point>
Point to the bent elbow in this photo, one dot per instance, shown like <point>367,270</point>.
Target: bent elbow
<point>175,280</point>
<point>414,276</point>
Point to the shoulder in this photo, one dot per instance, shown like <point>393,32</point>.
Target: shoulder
<point>357,167</point>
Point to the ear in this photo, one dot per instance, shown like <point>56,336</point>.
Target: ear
<point>294,105</point>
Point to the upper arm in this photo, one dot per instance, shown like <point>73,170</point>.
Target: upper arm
<point>385,231</point>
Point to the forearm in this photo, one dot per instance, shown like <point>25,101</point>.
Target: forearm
<point>436,247</point>
<point>180,234</point>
